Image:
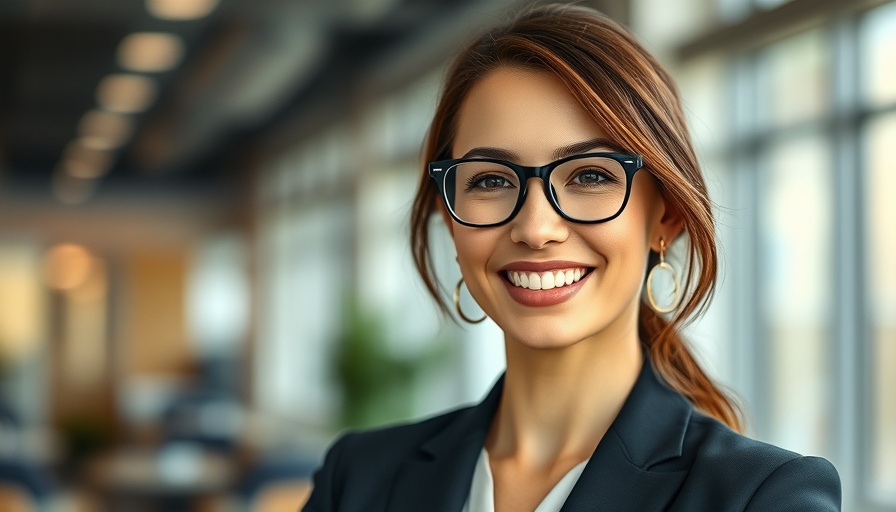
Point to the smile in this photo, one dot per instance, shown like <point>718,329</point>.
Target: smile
<point>546,280</point>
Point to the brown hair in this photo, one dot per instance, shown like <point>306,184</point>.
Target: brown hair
<point>627,91</point>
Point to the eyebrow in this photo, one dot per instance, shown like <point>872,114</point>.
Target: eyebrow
<point>582,147</point>
<point>561,152</point>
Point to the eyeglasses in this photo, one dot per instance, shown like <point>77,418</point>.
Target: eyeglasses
<point>587,188</point>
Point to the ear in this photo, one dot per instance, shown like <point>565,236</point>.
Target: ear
<point>668,225</point>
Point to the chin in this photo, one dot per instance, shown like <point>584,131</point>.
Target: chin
<point>546,335</point>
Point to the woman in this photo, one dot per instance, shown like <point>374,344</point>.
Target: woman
<point>560,161</point>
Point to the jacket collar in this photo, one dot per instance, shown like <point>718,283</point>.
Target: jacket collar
<point>649,429</point>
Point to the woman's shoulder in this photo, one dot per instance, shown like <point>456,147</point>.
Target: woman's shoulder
<point>395,438</point>
<point>759,475</point>
<point>368,461</point>
<point>378,449</point>
<point>713,442</point>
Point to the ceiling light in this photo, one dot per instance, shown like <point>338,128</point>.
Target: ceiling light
<point>180,9</point>
<point>82,169</point>
<point>82,161</point>
<point>126,94</point>
<point>104,130</point>
<point>150,52</point>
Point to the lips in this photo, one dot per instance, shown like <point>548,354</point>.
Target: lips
<point>544,283</point>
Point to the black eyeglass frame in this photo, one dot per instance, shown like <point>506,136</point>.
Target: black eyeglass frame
<point>630,163</point>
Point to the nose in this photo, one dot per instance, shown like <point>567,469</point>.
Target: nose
<point>537,223</point>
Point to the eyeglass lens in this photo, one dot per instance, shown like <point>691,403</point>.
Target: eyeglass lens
<point>587,189</point>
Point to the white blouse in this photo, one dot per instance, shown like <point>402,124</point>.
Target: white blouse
<point>482,497</point>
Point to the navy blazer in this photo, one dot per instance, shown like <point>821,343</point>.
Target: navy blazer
<point>659,454</point>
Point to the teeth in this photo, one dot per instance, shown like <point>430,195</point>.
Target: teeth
<point>535,281</point>
<point>546,280</point>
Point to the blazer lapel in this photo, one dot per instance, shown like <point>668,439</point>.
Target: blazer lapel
<point>439,477</point>
<point>649,429</point>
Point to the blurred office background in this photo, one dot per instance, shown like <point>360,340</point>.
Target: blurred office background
<point>204,265</point>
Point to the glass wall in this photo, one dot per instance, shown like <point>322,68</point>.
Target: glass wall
<point>881,211</point>
<point>799,158</point>
<point>877,45</point>
<point>796,205</point>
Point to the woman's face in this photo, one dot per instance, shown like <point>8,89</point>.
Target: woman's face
<point>531,116</point>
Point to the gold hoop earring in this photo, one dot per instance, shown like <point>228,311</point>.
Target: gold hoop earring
<point>662,266</point>
<point>457,305</point>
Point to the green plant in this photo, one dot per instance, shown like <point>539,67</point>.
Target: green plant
<point>377,385</point>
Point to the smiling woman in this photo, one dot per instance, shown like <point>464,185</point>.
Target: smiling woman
<point>560,162</point>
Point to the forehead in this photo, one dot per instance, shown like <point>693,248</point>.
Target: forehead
<point>528,112</point>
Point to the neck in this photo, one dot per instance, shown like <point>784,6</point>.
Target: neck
<point>558,403</point>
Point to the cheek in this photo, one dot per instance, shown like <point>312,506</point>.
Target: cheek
<point>474,246</point>
<point>624,244</point>
<point>621,244</point>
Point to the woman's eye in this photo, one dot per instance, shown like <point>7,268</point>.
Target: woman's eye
<point>589,178</point>
<point>488,182</point>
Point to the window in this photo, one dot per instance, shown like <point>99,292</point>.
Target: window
<point>793,81</point>
<point>809,183</point>
<point>877,44</point>
<point>796,211</point>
